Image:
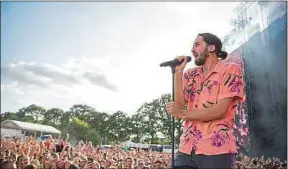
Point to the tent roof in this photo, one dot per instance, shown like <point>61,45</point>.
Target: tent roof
<point>128,142</point>
<point>29,126</point>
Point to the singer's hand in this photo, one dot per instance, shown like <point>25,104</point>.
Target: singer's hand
<point>175,109</point>
<point>181,67</point>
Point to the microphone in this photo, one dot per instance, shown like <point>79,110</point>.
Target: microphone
<point>174,62</point>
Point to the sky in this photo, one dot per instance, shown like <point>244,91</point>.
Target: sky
<point>103,54</point>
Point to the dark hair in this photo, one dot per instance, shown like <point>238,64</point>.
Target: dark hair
<point>129,158</point>
<point>4,164</point>
<point>254,162</point>
<point>72,166</point>
<point>30,166</point>
<point>158,161</point>
<point>59,148</point>
<point>211,39</point>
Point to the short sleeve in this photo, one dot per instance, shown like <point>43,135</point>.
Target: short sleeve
<point>232,83</point>
<point>185,80</point>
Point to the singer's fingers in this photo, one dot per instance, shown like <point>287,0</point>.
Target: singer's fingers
<point>185,60</point>
<point>169,111</point>
<point>170,104</point>
<point>167,108</point>
<point>181,58</point>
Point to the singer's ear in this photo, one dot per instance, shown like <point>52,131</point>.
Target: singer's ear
<point>211,48</point>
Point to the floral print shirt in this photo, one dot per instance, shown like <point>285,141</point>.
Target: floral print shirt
<point>216,136</point>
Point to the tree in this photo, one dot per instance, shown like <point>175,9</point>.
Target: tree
<point>36,112</point>
<point>118,126</point>
<point>136,126</point>
<point>9,116</point>
<point>81,111</point>
<point>81,130</point>
<point>93,136</point>
<point>65,119</point>
<point>150,119</point>
<point>23,115</point>
<point>53,117</point>
<point>165,118</point>
<point>84,122</point>
<point>100,123</point>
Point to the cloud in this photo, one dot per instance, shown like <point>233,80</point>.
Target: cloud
<point>79,80</point>
<point>99,79</point>
<point>47,75</point>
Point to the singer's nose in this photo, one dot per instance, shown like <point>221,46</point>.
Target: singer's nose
<point>193,50</point>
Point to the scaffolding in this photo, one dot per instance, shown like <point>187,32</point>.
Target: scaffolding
<point>264,20</point>
<point>242,20</point>
<point>240,25</point>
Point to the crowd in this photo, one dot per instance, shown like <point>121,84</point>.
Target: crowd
<point>59,154</point>
<point>32,153</point>
<point>259,162</point>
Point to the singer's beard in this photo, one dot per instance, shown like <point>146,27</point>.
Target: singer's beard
<point>200,60</point>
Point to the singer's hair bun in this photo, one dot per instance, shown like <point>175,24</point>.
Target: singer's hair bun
<point>222,54</point>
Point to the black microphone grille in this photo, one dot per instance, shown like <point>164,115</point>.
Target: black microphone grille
<point>189,58</point>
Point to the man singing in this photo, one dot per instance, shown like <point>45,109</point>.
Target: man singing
<point>211,92</point>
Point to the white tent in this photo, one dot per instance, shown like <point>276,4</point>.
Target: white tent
<point>136,145</point>
<point>128,144</point>
<point>20,128</point>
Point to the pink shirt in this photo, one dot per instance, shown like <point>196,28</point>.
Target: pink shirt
<point>211,137</point>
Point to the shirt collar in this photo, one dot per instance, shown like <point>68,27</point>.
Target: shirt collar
<point>216,69</point>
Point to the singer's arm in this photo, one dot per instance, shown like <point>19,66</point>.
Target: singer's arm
<point>230,88</point>
<point>178,89</point>
<point>206,114</point>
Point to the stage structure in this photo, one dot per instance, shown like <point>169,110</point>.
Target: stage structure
<point>259,44</point>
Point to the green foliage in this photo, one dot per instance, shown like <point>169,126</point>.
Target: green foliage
<point>93,136</point>
<point>79,123</point>
<point>83,122</point>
